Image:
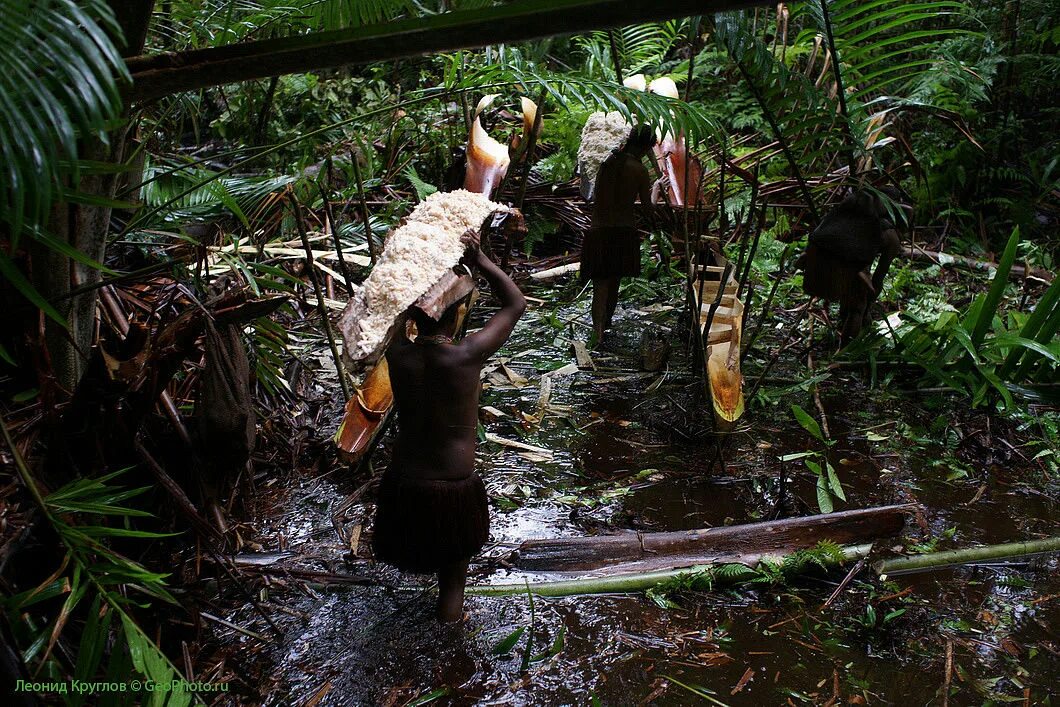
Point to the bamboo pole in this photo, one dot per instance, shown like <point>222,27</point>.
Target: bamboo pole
<point>629,583</point>
<point>952,558</point>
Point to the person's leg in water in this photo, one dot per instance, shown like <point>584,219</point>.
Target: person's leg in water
<point>601,294</point>
<point>612,299</point>
<point>451,581</point>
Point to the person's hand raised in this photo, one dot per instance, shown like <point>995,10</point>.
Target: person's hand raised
<point>473,246</point>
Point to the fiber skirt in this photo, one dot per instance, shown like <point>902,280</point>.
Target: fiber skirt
<point>422,525</point>
<point>610,251</point>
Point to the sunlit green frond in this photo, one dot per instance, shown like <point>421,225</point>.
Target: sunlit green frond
<point>567,91</point>
<point>640,47</point>
<point>59,74</point>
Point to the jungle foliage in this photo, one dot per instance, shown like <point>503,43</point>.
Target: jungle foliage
<point>951,101</point>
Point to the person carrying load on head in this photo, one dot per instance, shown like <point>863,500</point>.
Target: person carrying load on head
<point>611,248</point>
<point>432,514</point>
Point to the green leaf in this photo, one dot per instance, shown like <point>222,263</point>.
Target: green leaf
<point>997,289</point>
<point>1032,326</point>
<point>59,86</point>
<point>797,455</point>
<point>429,697</point>
<point>423,189</point>
<point>833,483</point>
<point>508,643</point>
<point>94,637</point>
<point>808,423</point>
<point>824,500</point>
<point>559,642</point>
<point>25,395</point>
<point>135,643</point>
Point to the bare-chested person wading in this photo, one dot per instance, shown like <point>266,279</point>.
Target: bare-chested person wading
<point>432,514</point>
<point>611,249</point>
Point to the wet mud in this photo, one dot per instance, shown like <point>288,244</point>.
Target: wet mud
<point>626,450</point>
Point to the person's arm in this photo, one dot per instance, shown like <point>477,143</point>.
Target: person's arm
<point>644,187</point>
<point>644,192</point>
<point>487,340</point>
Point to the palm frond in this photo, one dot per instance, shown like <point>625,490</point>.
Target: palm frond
<point>59,74</point>
<point>92,569</point>
<point>640,47</point>
<point>575,91</point>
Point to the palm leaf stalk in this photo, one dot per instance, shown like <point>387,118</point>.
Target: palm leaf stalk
<point>318,292</point>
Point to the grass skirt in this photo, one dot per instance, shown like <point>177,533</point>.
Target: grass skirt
<point>424,524</point>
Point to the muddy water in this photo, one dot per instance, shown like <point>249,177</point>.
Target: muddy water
<point>621,456</point>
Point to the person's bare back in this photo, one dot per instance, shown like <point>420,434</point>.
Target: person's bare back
<point>611,248</point>
<point>436,389</point>
<point>622,179</point>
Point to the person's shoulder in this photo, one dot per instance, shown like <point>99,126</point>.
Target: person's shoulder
<point>634,165</point>
<point>452,354</point>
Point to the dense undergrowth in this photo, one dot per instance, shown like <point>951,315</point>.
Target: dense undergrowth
<point>172,204</point>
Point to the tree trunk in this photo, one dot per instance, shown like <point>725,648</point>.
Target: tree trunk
<point>85,228</point>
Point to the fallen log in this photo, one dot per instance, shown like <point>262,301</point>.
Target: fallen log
<point>641,581</point>
<point>953,558</point>
<point>1017,271</point>
<point>738,543</point>
<point>556,272</point>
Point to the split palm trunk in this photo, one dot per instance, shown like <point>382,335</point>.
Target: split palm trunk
<point>639,582</point>
<point>721,321</point>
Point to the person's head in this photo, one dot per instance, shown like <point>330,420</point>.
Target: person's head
<point>641,139</point>
<point>445,326</point>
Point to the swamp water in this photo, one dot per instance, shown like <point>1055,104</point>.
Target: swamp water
<point>621,449</point>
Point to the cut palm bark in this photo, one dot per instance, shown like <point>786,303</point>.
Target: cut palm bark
<point>739,543</point>
<point>366,415</point>
<point>953,558</point>
<point>641,581</point>
<point>721,321</point>
<point>487,159</point>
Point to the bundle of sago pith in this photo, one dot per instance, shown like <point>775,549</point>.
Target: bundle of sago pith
<point>414,257</point>
<point>603,134</point>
